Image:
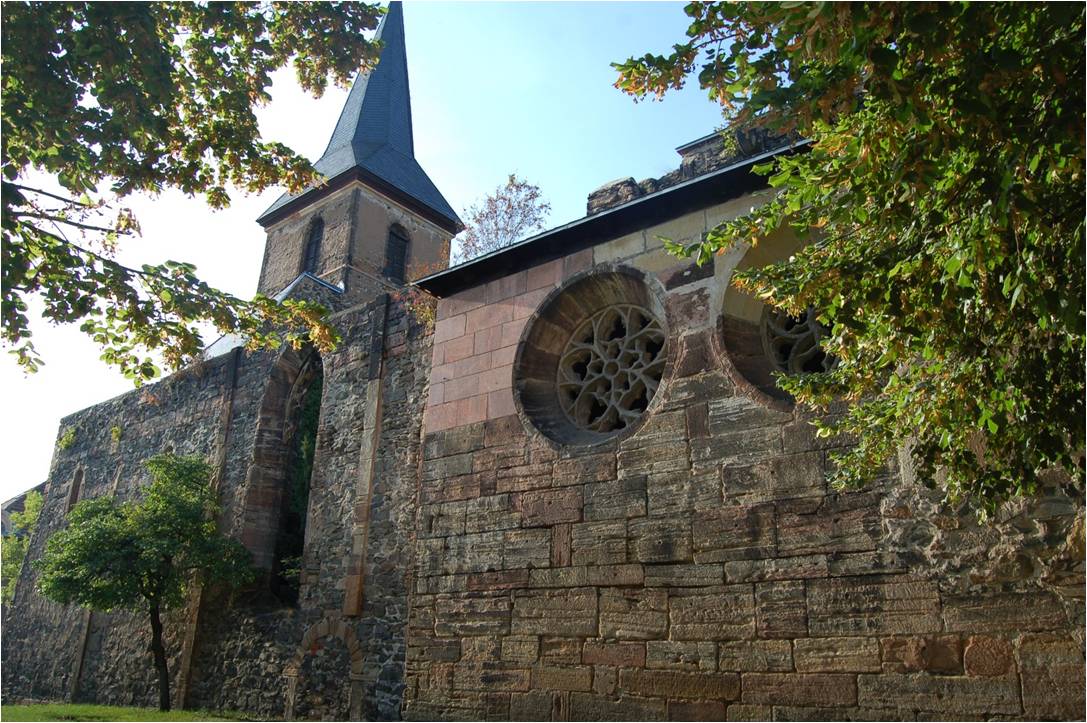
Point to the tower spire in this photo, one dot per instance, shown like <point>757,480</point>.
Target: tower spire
<point>373,136</point>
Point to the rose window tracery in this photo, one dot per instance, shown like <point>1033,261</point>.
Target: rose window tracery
<point>793,342</point>
<point>611,368</point>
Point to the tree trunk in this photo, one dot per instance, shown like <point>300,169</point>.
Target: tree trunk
<point>159,652</point>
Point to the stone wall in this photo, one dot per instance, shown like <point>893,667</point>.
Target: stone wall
<point>700,567</point>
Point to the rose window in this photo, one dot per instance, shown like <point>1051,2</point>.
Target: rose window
<point>611,368</point>
<point>793,342</point>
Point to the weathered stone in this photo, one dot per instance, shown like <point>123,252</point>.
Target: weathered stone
<point>841,523</point>
<point>798,475</point>
<point>734,533</point>
<point>1004,612</point>
<point>872,605</point>
<point>481,552</point>
<point>672,684</point>
<point>489,676</point>
<point>445,519</point>
<point>813,689</point>
<point>1052,670</point>
<point>560,651</point>
<point>629,655</point>
<point>677,655</point>
<point>696,710</point>
<point>585,469</point>
<point>587,576</point>
<point>837,655</point>
<point>680,493</point>
<point>741,712</point>
<point>987,656</point>
<point>561,545</point>
<point>562,678</point>
<point>504,580</point>
<point>949,696</point>
<point>660,539</point>
<point>633,614</point>
<point>495,512</point>
<point>526,548</point>
<point>725,615</point>
<point>755,656</point>
<point>471,615</point>
<point>781,609</point>
<point>779,568</point>
<point>555,612</point>
<point>684,575</point>
<point>520,649</point>
<point>549,507</point>
<point>619,499</point>
<point>586,706</point>
<point>534,705</point>
<point>599,543</point>
<point>932,653</point>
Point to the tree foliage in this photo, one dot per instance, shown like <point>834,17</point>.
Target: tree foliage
<point>109,99</point>
<point>507,215</point>
<point>144,554</point>
<point>13,551</point>
<point>943,189</point>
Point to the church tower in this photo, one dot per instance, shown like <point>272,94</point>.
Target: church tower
<point>378,215</point>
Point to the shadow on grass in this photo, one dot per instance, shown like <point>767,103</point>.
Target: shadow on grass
<point>82,712</point>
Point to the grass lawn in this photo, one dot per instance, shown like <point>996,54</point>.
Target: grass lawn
<point>64,711</point>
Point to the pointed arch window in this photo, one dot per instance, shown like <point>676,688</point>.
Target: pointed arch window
<point>396,254</point>
<point>312,254</point>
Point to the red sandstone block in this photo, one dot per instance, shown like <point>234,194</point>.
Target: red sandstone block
<point>549,275</point>
<point>987,656</point>
<point>628,655</point>
<point>805,689</point>
<point>472,365</point>
<point>500,403</point>
<point>511,331</point>
<point>506,287</point>
<point>459,303</point>
<point>471,410</point>
<point>437,355</point>
<point>574,263</point>
<point>494,379</point>
<point>457,349</point>
<point>549,507</point>
<point>503,356</point>
<point>449,328</point>
<point>437,394</point>
<point>487,316</point>
<point>487,339</point>
<point>461,388</point>
<point>560,545</point>
<point>526,304</point>
<point>443,373</point>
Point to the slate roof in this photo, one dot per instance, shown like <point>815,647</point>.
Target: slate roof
<point>374,132</point>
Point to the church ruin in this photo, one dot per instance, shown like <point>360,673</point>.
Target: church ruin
<point>579,496</point>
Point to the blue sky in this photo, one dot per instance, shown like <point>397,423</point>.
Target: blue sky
<point>496,88</point>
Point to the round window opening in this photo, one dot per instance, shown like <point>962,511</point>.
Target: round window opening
<point>793,343</point>
<point>593,358</point>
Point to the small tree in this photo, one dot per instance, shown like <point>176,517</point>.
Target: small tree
<point>146,553</point>
<point>507,215</point>
<point>13,550</point>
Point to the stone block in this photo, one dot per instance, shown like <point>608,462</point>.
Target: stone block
<point>872,605</point>
<point>584,469</point>
<point>615,500</point>
<point>803,567</point>
<point>837,655</point>
<point>587,706</point>
<point>725,615</point>
<point>988,656</point>
<point>626,655</point>
<point>660,539</point>
<point>555,612</point>
<point>735,449</point>
<point>471,615</point>
<point>781,609</point>
<point>561,545</point>
<point>802,689</point>
<point>1052,670</point>
<point>783,477</point>
<point>444,519</point>
<point>481,647</point>
<point>503,580</point>
<point>950,697</point>
<point>560,651</point>
<point>1004,613</point>
<point>737,532</point>
<point>520,649</point>
<point>523,477</point>
<point>526,548</point>
<point>729,414</point>
<point>741,712</point>
<point>683,493</point>
<point>696,710</point>
<point>480,552</point>
<point>599,543</point>
<point>755,656</point>
<point>435,650</point>
<point>489,676</point>
<point>605,679</point>
<point>680,655</point>
<point>562,678</point>
<point>939,654</point>
<point>842,523</point>
<point>684,575</point>
<point>633,614</point>
<point>534,705</point>
<point>589,576</point>
<point>674,684</point>
<point>550,507</point>
<point>487,514</point>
